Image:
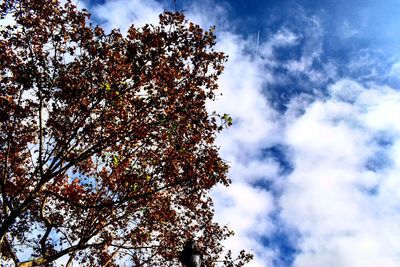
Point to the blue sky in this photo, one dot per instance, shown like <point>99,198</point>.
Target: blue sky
<point>315,145</point>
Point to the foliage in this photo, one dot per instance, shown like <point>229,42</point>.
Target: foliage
<point>107,151</point>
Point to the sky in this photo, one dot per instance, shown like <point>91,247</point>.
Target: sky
<point>315,145</point>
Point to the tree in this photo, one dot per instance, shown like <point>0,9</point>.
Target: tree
<point>107,151</point>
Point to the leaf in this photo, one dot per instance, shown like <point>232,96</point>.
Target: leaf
<point>115,160</point>
<point>228,120</point>
<point>105,86</point>
<point>134,187</point>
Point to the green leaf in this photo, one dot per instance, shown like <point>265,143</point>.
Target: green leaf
<point>105,86</point>
<point>228,119</point>
<point>115,160</point>
<point>134,187</point>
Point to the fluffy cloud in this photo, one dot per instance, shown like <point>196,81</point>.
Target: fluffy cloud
<point>344,208</point>
<point>122,14</point>
<point>245,209</point>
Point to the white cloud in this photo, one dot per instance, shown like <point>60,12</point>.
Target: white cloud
<point>383,109</point>
<point>395,70</point>
<point>367,65</point>
<point>297,49</point>
<point>208,13</point>
<point>122,14</point>
<point>282,38</point>
<point>254,121</point>
<point>346,90</point>
<point>329,196</point>
<point>245,210</point>
<point>256,125</point>
<point>348,30</point>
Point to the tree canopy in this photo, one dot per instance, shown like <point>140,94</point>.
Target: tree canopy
<point>107,152</point>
